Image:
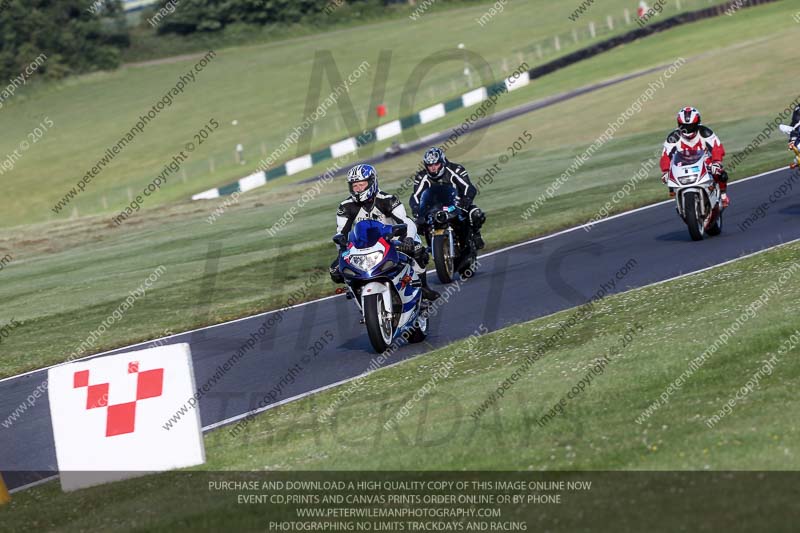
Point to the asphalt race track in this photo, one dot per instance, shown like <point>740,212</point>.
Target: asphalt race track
<point>493,118</point>
<point>513,285</point>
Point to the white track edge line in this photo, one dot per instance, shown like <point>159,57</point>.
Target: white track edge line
<point>353,378</point>
<point>306,394</point>
<point>501,250</point>
<point>33,484</point>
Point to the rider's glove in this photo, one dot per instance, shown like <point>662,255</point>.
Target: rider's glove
<point>336,275</point>
<point>665,178</point>
<point>407,246</point>
<point>476,217</point>
<point>342,244</point>
<point>414,249</point>
<point>715,169</point>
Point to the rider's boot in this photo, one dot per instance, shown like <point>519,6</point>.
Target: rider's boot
<point>479,244</point>
<point>427,292</point>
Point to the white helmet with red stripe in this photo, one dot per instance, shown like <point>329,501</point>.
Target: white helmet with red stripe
<point>689,122</point>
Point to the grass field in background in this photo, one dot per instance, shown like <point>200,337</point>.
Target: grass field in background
<point>597,431</point>
<point>66,278</point>
<point>148,45</point>
<point>263,87</point>
<point>740,57</point>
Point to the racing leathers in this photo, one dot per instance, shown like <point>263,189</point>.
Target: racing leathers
<point>387,209</point>
<point>794,137</point>
<point>457,176</point>
<point>705,139</point>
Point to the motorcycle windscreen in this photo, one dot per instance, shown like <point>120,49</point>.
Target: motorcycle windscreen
<point>366,233</point>
<point>688,157</point>
<point>436,197</point>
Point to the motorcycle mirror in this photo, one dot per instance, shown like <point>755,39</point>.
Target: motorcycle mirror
<point>340,239</point>
<point>399,230</point>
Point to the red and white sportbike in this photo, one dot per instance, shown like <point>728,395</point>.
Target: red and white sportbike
<point>697,194</point>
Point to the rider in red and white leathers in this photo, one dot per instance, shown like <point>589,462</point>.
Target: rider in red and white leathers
<point>691,134</point>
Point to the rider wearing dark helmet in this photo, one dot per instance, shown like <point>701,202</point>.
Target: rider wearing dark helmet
<point>368,202</point>
<point>437,169</point>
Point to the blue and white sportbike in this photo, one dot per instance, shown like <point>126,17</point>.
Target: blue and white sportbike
<point>379,275</point>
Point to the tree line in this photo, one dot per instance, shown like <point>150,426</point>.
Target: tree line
<point>78,36</point>
<point>71,34</point>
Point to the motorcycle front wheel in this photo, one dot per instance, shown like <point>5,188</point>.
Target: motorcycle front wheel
<point>694,220</point>
<point>442,259</point>
<point>379,323</point>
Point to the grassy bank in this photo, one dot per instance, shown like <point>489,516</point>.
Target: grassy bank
<point>266,94</point>
<point>598,429</point>
<point>66,278</point>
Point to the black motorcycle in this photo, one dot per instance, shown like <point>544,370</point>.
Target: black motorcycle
<point>448,232</point>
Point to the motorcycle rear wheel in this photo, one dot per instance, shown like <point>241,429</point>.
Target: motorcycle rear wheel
<point>420,330</point>
<point>716,227</point>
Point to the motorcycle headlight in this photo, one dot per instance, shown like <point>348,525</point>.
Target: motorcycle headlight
<point>687,180</point>
<point>387,266</point>
<point>366,261</point>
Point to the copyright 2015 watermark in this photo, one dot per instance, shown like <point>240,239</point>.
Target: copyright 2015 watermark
<point>10,161</point>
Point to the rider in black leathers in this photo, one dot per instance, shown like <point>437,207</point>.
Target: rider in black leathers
<point>794,137</point>
<point>437,169</point>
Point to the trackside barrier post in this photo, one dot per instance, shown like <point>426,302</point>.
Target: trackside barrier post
<point>5,497</point>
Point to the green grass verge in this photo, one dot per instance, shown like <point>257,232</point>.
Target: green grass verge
<point>597,431</point>
<point>68,277</point>
<point>263,87</point>
<point>671,323</point>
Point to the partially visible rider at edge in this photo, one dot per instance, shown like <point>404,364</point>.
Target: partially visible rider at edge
<point>437,169</point>
<point>368,202</point>
<point>691,134</point>
<point>794,137</point>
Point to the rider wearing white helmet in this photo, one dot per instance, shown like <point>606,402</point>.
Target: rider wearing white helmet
<point>691,134</point>
<point>368,202</point>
